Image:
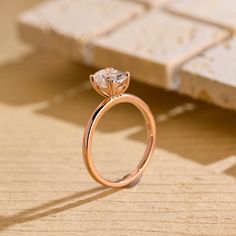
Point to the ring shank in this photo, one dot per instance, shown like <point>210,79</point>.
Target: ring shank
<point>106,105</point>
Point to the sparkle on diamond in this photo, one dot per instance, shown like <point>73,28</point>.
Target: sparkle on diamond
<point>102,77</point>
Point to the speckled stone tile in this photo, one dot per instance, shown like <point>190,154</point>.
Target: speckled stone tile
<point>152,46</point>
<point>219,12</point>
<point>151,3</point>
<point>66,26</point>
<point>212,75</point>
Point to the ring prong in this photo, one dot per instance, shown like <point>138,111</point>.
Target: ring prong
<point>112,87</point>
<point>91,77</point>
<point>127,74</point>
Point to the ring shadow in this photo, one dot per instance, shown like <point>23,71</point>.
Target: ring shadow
<point>56,206</point>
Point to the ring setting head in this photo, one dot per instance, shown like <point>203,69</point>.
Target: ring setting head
<point>110,82</point>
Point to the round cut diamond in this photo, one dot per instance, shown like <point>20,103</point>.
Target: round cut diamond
<point>103,77</point>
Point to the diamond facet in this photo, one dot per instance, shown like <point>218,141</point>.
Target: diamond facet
<point>110,82</point>
<point>103,77</point>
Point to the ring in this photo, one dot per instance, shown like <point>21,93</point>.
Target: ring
<point>112,84</point>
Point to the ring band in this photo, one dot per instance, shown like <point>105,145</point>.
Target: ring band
<point>112,83</point>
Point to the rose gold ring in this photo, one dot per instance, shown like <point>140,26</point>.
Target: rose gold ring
<point>112,84</point>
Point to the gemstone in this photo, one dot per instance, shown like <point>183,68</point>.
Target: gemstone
<point>104,76</point>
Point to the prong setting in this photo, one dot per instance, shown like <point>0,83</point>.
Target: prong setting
<point>110,82</point>
<point>91,77</point>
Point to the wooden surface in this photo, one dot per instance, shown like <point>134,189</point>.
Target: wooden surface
<point>153,39</point>
<point>189,188</point>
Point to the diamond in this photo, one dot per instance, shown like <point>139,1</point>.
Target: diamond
<point>104,76</point>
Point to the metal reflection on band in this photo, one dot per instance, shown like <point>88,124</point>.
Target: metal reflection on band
<point>111,84</point>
